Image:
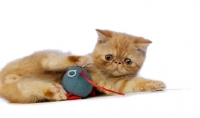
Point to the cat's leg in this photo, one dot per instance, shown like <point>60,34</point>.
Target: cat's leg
<point>44,60</point>
<point>10,79</point>
<point>47,89</point>
<point>107,85</point>
<point>30,90</point>
<point>142,84</point>
<point>61,61</point>
<point>138,84</point>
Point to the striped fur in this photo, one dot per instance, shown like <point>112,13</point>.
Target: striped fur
<point>115,73</point>
<point>37,77</point>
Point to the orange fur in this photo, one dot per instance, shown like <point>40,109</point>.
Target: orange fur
<point>116,74</point>
<point>37,77</point>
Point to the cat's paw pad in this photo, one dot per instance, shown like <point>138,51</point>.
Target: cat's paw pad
<point>11,78</point>
<point>85,61</point>
<point>56,92</point>
<point>153,86</point>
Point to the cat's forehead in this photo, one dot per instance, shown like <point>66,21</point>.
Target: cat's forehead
<point>123,40</point>
<point>123,48</point>
<point>120,50</point>
<point>122,44</point>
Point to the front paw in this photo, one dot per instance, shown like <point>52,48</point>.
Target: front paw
<point>107,86</point>
<point>85,61</point>
<point>152,86</point>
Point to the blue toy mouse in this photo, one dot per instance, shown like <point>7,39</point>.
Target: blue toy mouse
<point>78,84</point>
<point>74,83</point>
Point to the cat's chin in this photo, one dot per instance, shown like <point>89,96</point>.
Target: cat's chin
<point>112,74</point>
<point>116,73</point>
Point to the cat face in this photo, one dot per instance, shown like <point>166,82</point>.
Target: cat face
<point>119,54</point>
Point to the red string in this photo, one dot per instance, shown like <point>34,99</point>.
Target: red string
<point>72,96</point>
<point>94,84</point>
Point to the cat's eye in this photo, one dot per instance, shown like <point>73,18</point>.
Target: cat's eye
<point>128,61</point>
<point>109,57</point>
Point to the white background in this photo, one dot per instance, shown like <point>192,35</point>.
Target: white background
<point>173,26</point>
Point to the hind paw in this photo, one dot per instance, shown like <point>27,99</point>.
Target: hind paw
<point>56,92</point>
<point>11,78</point>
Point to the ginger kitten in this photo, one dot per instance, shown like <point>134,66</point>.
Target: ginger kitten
<point>115,61</point>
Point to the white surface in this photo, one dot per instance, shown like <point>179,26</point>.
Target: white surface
<point>167,104</point>
<point>173,57</point>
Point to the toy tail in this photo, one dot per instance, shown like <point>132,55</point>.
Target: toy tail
<point>94,84</point>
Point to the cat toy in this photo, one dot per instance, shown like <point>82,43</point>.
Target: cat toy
<point>79,85</point>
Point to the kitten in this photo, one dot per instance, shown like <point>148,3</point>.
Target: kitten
<point>116,59</point>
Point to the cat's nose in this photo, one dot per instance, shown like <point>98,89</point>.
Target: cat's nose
<point>118,62</point>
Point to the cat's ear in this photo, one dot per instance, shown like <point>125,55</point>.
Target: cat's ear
<point>142,43</point>
<point>103,35</point>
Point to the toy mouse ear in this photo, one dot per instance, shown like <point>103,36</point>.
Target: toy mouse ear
<point>71,73</point>
<point>103,35</point>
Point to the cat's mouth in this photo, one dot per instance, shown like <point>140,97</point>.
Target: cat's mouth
<point>116,73</point>
<point>116,70</point>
